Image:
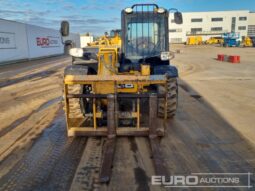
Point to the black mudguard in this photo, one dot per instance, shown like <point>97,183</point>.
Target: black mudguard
<point>166,69</point>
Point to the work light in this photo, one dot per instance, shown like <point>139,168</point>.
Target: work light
<point>76,52</point>
<point>161,10</point>
<point>129,10</point>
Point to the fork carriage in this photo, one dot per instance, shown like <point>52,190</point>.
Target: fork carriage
<point>107,88</point>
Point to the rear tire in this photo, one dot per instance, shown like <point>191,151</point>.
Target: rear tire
<point>172,97</point>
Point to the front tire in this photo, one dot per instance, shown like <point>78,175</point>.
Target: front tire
<point>172,97</point>
<point>75,108</point>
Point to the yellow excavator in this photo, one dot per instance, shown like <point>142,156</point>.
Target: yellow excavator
<point>129,87</point>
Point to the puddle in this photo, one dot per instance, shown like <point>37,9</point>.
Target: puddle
<point>141,179</point>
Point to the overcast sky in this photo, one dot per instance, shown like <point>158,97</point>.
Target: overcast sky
<point>98,16</point>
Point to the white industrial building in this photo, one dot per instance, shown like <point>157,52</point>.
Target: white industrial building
<point>251,25</point>
<point>211,24</point>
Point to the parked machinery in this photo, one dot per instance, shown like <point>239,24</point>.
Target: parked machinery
<point>231,39</point>
<point>214,40</point>
<point>115,37</point>
<point>106,40</point>
<point>130,87</point>
<point>194,40</point>
<point>247,42</point>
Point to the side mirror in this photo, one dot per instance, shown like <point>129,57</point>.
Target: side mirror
<point>64,28</point>
<point>178,18</point>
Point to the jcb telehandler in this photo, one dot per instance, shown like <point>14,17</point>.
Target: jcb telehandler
<point>129,87</point>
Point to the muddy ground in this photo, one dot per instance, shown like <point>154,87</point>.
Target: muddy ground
<point>212,132</point>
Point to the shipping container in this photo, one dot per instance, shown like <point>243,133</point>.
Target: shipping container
<point>43,42</point>
<point>13,41</point>
<point>19,41</point>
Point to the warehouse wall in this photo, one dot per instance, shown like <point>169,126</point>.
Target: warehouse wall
<point>179,33</point>
<point>20,41</point>
<point>251,25</point>
<point>13,41</point>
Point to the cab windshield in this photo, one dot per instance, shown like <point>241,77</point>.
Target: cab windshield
<point>145,37</point>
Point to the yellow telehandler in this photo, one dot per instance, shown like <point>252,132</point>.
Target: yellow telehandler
<point>129,87</point>
<point>113,40</point>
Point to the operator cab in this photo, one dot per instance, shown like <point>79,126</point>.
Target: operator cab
<point>145,36</point>
<point>115,33</point>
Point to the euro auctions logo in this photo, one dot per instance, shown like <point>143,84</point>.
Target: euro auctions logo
<point>205,180</point>
<point>175,180</point>
<point>47,42</point>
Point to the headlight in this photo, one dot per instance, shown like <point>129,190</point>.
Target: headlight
<point>165,56</point>
<point>161,10</point>
<point>129,10</point>
<point>76,52</point>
